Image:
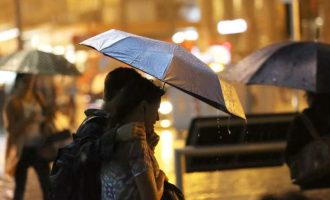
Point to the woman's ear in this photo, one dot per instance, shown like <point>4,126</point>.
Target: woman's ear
<point>143,106</point>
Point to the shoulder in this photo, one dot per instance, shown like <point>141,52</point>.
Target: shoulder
<point>13,106</point>
<point>92,127</point>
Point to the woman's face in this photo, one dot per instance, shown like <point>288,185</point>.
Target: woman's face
<point>151,116</point>
<point>26,84</point>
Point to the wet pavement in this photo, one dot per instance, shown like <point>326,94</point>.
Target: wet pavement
<point>242,184</point>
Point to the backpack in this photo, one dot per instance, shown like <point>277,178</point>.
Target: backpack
<point>75,171</point>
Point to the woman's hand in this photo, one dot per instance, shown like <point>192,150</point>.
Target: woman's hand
<point>160,181</point>
<point>153,140</point>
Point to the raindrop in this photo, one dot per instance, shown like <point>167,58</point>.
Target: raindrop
<point>305,82</point>
<point>198,135</point>
<point>274,79</point>
<point>228,130</point>
<point>220,137</point>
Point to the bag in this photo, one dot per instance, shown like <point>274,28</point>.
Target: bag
<point>171,192</point>
<point>311,166</point>
<point>71,177</point>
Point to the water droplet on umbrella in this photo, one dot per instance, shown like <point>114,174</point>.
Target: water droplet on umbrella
<point>305,83</point>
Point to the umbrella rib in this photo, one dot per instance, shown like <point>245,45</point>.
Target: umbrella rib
<point>169,63</point>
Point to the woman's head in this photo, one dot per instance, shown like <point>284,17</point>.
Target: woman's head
<point>116,80</point>
<point>138,101</point>
<point>23,84</point>
<point>317,99</point>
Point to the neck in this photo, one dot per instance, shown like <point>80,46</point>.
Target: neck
<point>134,116</point>
<point>109,106</point>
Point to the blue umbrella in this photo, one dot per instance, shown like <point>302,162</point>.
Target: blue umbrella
<point>171,64</point>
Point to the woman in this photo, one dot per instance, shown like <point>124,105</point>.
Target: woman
<point>25,116</point>
<point>134,173</point>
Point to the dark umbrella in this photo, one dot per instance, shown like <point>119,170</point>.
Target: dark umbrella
<point>37,62</point>
<point>300,65</point>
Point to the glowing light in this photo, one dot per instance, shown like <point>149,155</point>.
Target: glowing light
<point>45,48</point>
<point>165,107</point>
<point>178,37</point>
<point>59,50</point>
<point>217,67</point>
<point>70,55</point>
<point>191,35</point>
<point>9,34</point>
<point>166,139</point>
<point>232,26</point>
<point>220,54</point>
<point>35,41</point>
<point>214,54</point>
<point>7,77</point>
<point>319,21</point>
<point>165,123</point>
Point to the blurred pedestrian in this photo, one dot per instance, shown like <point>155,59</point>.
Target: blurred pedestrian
<point>25,115</point>
<point>314,120</point>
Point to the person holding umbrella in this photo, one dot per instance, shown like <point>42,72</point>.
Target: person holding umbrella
<point>313,124</point>
<point>97,144</point>
<point>24,114</point>
<point>133,173</point>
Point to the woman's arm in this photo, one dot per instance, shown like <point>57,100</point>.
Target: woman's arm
<point>16,122</point>
<point>148,187</point>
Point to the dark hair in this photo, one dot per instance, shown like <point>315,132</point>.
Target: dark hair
<point>317,99</point>
<point>22,78</point>
<point>116,80</point>
<point>134,93</point>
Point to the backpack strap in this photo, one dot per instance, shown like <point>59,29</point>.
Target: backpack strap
<point>311,128</point>
<point>86,121</point>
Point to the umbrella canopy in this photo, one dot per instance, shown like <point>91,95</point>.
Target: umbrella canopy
<point>300,65</point>
<point>171,64</point>
<point>37,62</point>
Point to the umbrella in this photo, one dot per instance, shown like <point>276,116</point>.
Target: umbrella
<point>299,65</point>
<point>37,62</point>
<point>171,64</point>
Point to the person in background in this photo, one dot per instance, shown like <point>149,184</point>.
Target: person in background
<point>24,116</point>
<point>318,113</point>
